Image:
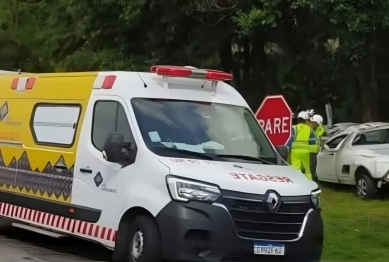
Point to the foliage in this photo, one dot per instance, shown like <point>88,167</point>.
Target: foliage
<point>354,230</point>
<point>356,15</point>
<point>247,22</point>
<point>271,46</point>
<point>262,13</point>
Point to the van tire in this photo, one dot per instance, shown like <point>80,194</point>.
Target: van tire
<point>365,187</point>
<point>144,240</point>
<point>5,224</point>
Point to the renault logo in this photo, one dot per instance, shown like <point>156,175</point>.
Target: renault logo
<point>273,202</point>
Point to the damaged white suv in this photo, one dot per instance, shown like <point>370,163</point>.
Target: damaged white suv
<point>358,155</point>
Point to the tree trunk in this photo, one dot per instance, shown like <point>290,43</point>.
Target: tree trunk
<point>227,60</point>
<point>246,61</point>
<point>369,99</point>
<point>259,66</point>
<point>373,98</point>
<point>364,89</point>
<point>367,84</point>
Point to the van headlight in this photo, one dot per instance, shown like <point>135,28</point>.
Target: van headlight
<point>316,198</point>
<point>187,190</point>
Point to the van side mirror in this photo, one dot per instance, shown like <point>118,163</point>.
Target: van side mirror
<point>113,148</point>
<point>283,151</point>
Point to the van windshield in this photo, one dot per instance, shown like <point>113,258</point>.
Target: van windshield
<point>201,128</point>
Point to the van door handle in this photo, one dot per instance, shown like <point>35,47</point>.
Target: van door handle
<point>86,170</point>
<point>331,154</point>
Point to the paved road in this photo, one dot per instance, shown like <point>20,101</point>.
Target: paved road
<point>18,245</point>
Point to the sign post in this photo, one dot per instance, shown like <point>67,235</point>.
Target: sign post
<point>275,117</point>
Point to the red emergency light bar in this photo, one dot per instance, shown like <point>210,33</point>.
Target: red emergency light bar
<point>181,71</point>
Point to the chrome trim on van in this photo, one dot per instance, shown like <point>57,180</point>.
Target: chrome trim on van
<point>243,199</point>
<point>293,240</point>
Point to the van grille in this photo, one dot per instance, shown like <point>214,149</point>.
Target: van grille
<point>253,219</point>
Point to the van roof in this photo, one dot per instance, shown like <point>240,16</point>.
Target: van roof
<point>3,72</point>
<point>181,89</point>
<point>149,85</point>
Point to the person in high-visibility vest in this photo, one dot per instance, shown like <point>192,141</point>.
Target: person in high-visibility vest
<point>302,117</point>
<point>303,142</point>
<point>317,121</point>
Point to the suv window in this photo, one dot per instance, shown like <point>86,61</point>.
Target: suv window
<point>110,117</point>
<point>333,143</point>
<point>372,138</point>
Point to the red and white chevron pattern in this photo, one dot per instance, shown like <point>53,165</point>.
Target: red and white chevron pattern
<point>63,224</point>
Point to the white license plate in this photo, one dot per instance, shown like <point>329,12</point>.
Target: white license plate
<point>268,248</point>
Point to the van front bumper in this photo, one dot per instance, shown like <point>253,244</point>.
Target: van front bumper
<point>201,232</point>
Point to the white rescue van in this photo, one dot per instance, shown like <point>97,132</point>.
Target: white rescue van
<point>163,166</point>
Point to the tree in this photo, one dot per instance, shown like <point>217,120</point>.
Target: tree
<point>271,46</point>
<point>306,27</point>
<point>297,61</point>
<point>359,25</point>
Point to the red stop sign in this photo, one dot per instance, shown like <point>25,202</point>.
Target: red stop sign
<point>275,117</point>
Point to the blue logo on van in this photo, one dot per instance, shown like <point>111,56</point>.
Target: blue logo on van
<point>98,179</point>
<point>3,111</point>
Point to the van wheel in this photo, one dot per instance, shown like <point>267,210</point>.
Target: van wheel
<point>366,188</point>
<point>5,224</point>
<point>144,240</point>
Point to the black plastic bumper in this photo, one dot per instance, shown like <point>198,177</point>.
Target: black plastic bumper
<point>202,232</point>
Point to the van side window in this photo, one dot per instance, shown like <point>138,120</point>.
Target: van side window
<point>55,124</point>
<point>109,117</point>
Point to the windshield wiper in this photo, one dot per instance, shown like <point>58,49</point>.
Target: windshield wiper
<point>250,158</point>
<point>215,157</point>
<point>190,153</point>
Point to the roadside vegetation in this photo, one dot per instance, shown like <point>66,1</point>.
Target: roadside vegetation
<point>355,230</point>
<point>313,52</point>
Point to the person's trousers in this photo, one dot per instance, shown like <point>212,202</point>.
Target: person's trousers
<point>301,160</point>
<point>313,158</point>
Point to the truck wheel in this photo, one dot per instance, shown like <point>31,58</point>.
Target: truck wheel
<point>366,188</point>
<point>144,240</point>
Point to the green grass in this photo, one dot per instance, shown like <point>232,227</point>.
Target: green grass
<point>354,230</point>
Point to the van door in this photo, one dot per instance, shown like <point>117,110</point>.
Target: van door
<point>98,183</point>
